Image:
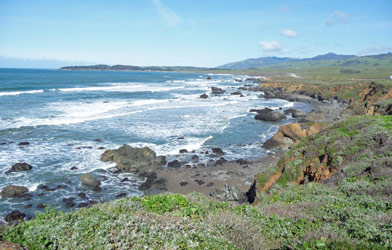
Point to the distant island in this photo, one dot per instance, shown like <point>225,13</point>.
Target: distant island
<point>103,67</point>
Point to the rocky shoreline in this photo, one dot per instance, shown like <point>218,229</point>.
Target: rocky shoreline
<point>220,179</point>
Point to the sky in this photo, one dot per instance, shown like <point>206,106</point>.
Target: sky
<point>184,32</point>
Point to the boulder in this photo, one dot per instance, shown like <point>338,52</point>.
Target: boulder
<point>151,177</point>
<point>15,217</point>
<point>269,115</point>
<point>183,151</point>
<point>221,161</point>
<point>217,91</point>
<point>195,158</point>
<point>236,93</point>
<point>13,191</point>
<point>134,160</point>
<point>23,143</point>
<point>69,202</point>
<point>174,164</point>
<point>18,167</point>
<point>204,96</point>
<point>90,180</point>
<point>218,151</point>
<point>229,193</point>
<point>299,114</point>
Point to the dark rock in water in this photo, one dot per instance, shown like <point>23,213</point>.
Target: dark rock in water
<point>229,193</point>
<point>23,166</point>
<point>195,158</point>
<point>210,184</point>
<point>101,148</point>
<point>28,206</point>
<point>242,161</point>
<point>97,140</point>
<point>15,217</point>
<point>69,202</point>
<point>183,183</point>
<point>90,180</point>
<point>208,78</point>
<point>148,183</point>
<point>24,143</point>
<point>211,163</point>
<point>93,202</point>
<point>82,195</point>
<point>180,138</point>
<point>221,161</point>
<point>83,204</point>
<point>236,93</point>
<point>299,114</point>
<point>74,168</point>
<point>201,165</point>
<point>97,189</point>
<point>40,194</point>
<point>200,182</point>
<point>134,160</point>
<point>289,111</point>
<point>204,96</point>
<point>125,179</point>
<point>103,177</point>
<point>61,186</point>
<point>121,195</point>
<point>218,151</point>
<point>26,196</point>
<point>44,187</point>
<point>183,151</point>
<point>207,152</point>
<point>13,191</point>
<point>270,115</point>
<point>174,164</point>
<point>217,91</point>
<point>41,205</point>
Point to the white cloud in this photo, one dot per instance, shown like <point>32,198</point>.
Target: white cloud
<point>338,17</point>
<point>375,50</point>
<point>288,33</point>
<point>169,16</point>
<point>272,46</point>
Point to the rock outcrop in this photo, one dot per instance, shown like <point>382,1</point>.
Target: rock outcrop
<point>90,180</point>
<point>269,115</point>
<point>13,191</point>
<point>134,160</point>
<point>229,193</point>
<point>292,133</point>
<point>18,167</point>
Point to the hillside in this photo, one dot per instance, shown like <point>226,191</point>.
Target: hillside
<point>103,67</point>
<point>327,60</point>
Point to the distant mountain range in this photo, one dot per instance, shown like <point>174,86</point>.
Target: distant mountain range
<point>268,61</point>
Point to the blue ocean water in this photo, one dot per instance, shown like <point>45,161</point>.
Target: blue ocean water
<point>67,116</point>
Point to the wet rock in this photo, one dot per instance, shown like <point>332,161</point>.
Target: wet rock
<point>97,140</point>
<point>242,161</point>
<point>108,155</point>
<point>204,96</point>
<point>269,115</point>
<point>97,189</point>
<point>236,93</point>
<point>101,148</point>
<point>183,183</point>
<point>74,168</point>
<point>41,205</point>
<point>221,161</point>
<point>90,180</point>
<point>61,186</point>
<point>200,182</point>
<point>218,151</point>
<point>83,204</point>
<point>82,195</point>
<point>183,151</point>
<point>28,206</point>
<point>174,164</point>
<point>13,191</point>
<point>125,179</point>
<point>24,143</point>
<point>180,138</point>
<point>211,163</point>
<point>201,165</point>
<point>229,193</point>
<point>15,217</point>
<point>68,202</point>
<point>208,78</point>
<point>217,91</point>
<point>93,202</point>
<point>121,195</point>
<point>149,182</point>
<point>195,158</point>
<point>23,166</point>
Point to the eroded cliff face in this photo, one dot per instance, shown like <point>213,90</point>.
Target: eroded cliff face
<point>364,98</point>
<point>361,145</point>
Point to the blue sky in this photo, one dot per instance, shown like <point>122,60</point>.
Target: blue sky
<point>185,32</point>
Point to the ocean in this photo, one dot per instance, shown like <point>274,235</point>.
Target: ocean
<point>68,117</point>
